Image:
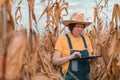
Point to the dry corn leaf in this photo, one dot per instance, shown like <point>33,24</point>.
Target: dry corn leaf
<point>2,2</point>
<point>43,76</point>
<point>1,24</point>
<point>8,2</point>
<point>32,64</point>
<point>43,0</point>
<point>112,50</point>
<point>57,13</point>
<point>116,13</point>
<point>18,14</point>
<point>48,11</point>
<point>43,65</point>
<point>15,55</point>
<point>31,6</point>
<point>64,6</point>
<point>1,56</point>
<point>95,14</point>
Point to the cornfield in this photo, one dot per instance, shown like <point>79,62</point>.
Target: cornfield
<point>26,55</point>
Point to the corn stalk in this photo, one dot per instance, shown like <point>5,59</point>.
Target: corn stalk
<point>5,41</point>
<point>106,42</point>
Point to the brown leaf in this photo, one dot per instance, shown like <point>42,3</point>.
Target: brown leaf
<point>15,52</point>
<point>57,13</point>
<point>2,2</point>
<point>43,0</point>
<point>64,6</point>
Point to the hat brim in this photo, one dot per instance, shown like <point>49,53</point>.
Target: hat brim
<point>67,22</point>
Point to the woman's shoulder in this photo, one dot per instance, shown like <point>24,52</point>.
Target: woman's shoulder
<point>62,37</point>
<point>86,36</point>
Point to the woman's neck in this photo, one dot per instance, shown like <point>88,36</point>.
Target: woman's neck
<point>74,36</point>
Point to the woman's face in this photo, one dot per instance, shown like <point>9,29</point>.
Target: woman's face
<point>78,29</point>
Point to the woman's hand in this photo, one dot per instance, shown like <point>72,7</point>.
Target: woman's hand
<point>58,60</point>
<point>75,55</point>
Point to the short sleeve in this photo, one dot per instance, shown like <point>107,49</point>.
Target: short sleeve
<point>59,45</point>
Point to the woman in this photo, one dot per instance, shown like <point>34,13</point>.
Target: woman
<point>71,48</point>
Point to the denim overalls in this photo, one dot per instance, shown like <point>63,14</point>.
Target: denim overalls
<point>79,68</point>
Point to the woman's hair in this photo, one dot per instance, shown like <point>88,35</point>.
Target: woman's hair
<point>71,26</point>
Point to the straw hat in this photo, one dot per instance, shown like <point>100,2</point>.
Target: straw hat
<point>76,18</point>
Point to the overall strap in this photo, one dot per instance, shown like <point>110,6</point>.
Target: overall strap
<point>85,45</point>
<point>70,44</point>
<point>69,41</point>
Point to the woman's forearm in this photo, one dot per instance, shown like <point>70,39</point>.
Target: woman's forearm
<point>59,61</point>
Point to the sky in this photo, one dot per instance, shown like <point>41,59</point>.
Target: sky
<point>84,6</point>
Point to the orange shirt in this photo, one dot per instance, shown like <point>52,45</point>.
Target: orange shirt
<point>77,44</point>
